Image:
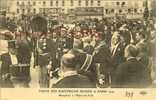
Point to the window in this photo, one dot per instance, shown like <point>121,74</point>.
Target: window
<point>57,10</point>
<point>71,2</point>
<point>135,10</point>
<point>44,10</point>
<point>112,11</point>
<point>123,4</point>
<point>117,3</point>
<point>34,10</point>
<point>120,11</point>
<point>51,3</point>
<point>34,3</point>
<point>44,3</point>
<point>92,2</point>
<point>57,3</point>
<point>29,10</point>
<point>98,2</point>
<point>106,11</point>
<point>40,10</point>
<point>129,10</point>
<point>79,3</point>
<point>141,10</point>
<point>63,3</point>
<point>18,11</point>
<point>62,10</point>
<point>23,11</point>
<point>29,3</point>
<point>86,2</point>
<point>17,3</point>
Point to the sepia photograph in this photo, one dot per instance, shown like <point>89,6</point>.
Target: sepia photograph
<point>97,44</point>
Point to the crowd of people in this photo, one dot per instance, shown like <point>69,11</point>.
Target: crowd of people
<point>88,54</point>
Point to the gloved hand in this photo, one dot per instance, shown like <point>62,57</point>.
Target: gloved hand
<point>6,76</point>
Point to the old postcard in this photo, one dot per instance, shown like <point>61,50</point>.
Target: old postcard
<point>78,49</point>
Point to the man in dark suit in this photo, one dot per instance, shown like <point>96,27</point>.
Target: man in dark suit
<point>7,59</point>
<point>143,47</point>
<point>70,76</point>
<point>131,74</point>
<point>117,50</point>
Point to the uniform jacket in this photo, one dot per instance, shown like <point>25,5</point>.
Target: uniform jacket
<point>74,81</point>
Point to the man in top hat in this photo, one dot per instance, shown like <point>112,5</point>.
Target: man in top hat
<point>70,76</point>
<point>8,59</point>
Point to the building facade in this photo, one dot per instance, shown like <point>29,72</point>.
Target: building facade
<point>3,5</point>
<point>79,8</point>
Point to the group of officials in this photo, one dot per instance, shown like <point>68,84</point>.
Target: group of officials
<point>104,55</point>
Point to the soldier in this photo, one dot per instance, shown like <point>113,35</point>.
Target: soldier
<point>102,59</point>
<point>24,51</point>
<point>44,57</point>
